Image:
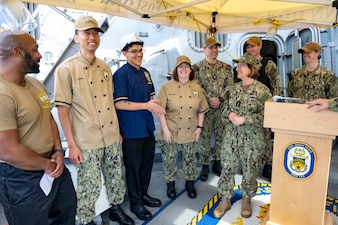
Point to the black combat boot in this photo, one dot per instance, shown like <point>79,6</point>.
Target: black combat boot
<point>216,167</point>
<point>171,193</point>
<point>204,173</point>
<point>267,171</point>
<point>190,188</point>
<point>117,214</point>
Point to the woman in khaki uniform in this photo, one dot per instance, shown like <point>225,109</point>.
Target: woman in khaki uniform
<point>185,106</point>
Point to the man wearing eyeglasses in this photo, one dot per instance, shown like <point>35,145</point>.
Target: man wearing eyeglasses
<point>134,103</point>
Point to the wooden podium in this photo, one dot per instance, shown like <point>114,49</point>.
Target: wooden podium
<point>301,163</point>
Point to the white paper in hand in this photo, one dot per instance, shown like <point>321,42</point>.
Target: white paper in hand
<point>46,183</point>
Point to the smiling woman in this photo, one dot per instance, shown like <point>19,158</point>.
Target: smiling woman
<point>182,125</point>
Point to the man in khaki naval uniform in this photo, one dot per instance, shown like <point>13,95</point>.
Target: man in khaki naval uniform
<point>84,98</point>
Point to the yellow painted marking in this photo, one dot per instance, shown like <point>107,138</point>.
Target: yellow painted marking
<point>238,222</point>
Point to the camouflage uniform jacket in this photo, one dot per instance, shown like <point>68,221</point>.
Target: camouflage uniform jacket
<point>333,104</point>
<point>271,70</point>
<point>321,83</point>
<point>213,80</point>
<point>250,104</point>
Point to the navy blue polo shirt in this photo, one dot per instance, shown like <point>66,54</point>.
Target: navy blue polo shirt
<point>135,86</point>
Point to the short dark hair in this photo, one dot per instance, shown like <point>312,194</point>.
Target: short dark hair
<point>130,44</point>
<point>175,74</point>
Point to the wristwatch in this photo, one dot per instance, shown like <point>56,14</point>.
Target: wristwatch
<point>59,150</point>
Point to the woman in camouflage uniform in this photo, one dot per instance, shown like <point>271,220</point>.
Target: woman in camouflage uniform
<point>243,139</point>
<point>185,106</point>
<point>312,80</point>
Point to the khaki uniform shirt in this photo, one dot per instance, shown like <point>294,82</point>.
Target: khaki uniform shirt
<point>183,103</point>
<point>87,90</point>
<point>27,109</point>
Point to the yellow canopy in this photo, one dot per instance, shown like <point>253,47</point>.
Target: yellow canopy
<point>225,15</point>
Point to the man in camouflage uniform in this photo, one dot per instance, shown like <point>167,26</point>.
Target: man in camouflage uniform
<point>312,80</point>
<point>213,75</point>
<point>268,75</point>
<point>243,139</point>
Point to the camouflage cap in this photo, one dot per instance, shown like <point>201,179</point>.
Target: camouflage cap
<point>254,40</point>
<point>210,41</point>
<point>250,60</point>
<point>182,59</point>
<point>311,47</point>
<point>86,22</point>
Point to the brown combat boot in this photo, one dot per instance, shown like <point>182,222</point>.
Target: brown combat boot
<point>222,207</point>
<point>246,207</point>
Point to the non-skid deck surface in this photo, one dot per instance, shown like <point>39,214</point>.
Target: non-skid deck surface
<point>185,211</point>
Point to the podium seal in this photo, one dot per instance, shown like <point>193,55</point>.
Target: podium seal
<point>299,160</point>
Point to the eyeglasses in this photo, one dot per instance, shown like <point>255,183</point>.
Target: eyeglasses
<point>135,51</point>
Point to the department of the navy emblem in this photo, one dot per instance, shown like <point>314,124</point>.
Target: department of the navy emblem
<point>299,160</point>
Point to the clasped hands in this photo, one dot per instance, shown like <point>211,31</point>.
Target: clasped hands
<point>236,119</point>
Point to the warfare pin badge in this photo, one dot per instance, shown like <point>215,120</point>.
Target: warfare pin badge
<point>299,160</point>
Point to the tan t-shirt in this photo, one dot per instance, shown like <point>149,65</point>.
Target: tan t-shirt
<point>182,103</point>
<point>27,109</point>
<point>87,90</point>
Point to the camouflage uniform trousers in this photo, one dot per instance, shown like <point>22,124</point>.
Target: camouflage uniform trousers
<point>267,152</point>
<point>212,124</point>
<point>250,157</point>
<point>89,184</point>
<point>169,158</point>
